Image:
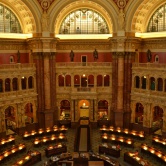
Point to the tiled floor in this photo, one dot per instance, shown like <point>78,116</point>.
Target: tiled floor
<point>95,141</point>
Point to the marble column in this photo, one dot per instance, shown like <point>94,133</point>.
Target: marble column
<point>120,85</point>
<point>47,81</point>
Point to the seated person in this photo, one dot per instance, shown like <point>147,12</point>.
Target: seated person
<point>118,147</point>
<point>136,153</point>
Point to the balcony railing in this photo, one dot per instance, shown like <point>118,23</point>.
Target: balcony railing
<point>16,66</point>
<point>17,94</point>
<point>149,65</point>
<point>83,64</point>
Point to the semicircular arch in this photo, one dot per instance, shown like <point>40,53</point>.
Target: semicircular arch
<point>27,13</point>
<point>58,12</point>
<point>141,13</point>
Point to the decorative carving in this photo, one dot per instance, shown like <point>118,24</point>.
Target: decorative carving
<point>45,4</point>
<point>121,3</point>
<point>121,19</point>
<point>45,21</point>
<point>95,54</point>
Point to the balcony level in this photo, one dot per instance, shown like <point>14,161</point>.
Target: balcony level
<point>148,79</point>
<point>84,78</point>
<point>17,81</point>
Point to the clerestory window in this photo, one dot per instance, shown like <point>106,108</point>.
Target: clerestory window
<point>84,21</point>
<point>8,21</point>
<point>157,22</point>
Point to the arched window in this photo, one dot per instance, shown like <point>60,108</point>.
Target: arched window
<point>23,82</point>
<point>15,84</point>
<point>84,21</point>
<point>61,80</point>
<point>137,82</point>
<point>152,83</point>
<point>84,80</point>
<point>143,82</point>
<point>30,82</point>
<point>91,81</point>
<point>160,84</point>
<point>7,84</point>
<point>99,80</point>
<point>68,80</point>
<point>8,21</point>
<point>76,81</point>
<point>157,22</point>
<point>106,80</point>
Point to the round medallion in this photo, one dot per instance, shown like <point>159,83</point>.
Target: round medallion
<point>45,4</point>
<point>121,3</point>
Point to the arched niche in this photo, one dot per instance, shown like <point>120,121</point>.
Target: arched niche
<point>103,110</point>
<point>29,113</point>
<point>11,118</point>
<point>139,113</point>
<point>65,110</point>
<point>157,121</point>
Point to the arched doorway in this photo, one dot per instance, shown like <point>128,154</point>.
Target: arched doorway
<point>65,110</point>
<point>10,118</point>
<point>83,108</point>
<point>28,113</point>
<point>157,118</point>
<point>139,111</point>
<point>102,110</point>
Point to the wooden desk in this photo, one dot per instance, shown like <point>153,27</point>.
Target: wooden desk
<point>55,150</point>
<point>124,132</point>
<point>29,159</point>
<point>109,151</point>
<point>135,160</point>
<point>159,155</point>
<point>118,140</point>
<point>60,159</point>
<point>7,141</point>
<point>12,152</point>
<point>159,141</point>
<point>66,123</point>
<point>107,161</point>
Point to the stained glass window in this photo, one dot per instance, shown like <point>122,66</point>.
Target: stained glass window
<point>157,22</point>
<point>84,21</point>
<point>8,21</point>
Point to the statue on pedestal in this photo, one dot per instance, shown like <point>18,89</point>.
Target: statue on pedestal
<point>149,55</point>
<point>95,54</point>
<point>71,56</point>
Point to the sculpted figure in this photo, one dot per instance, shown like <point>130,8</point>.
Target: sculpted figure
<point>95,54</point>
<point>72,56</point>
<point>121,19</point>
<point>149,55</point>
<point>45,21</point>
